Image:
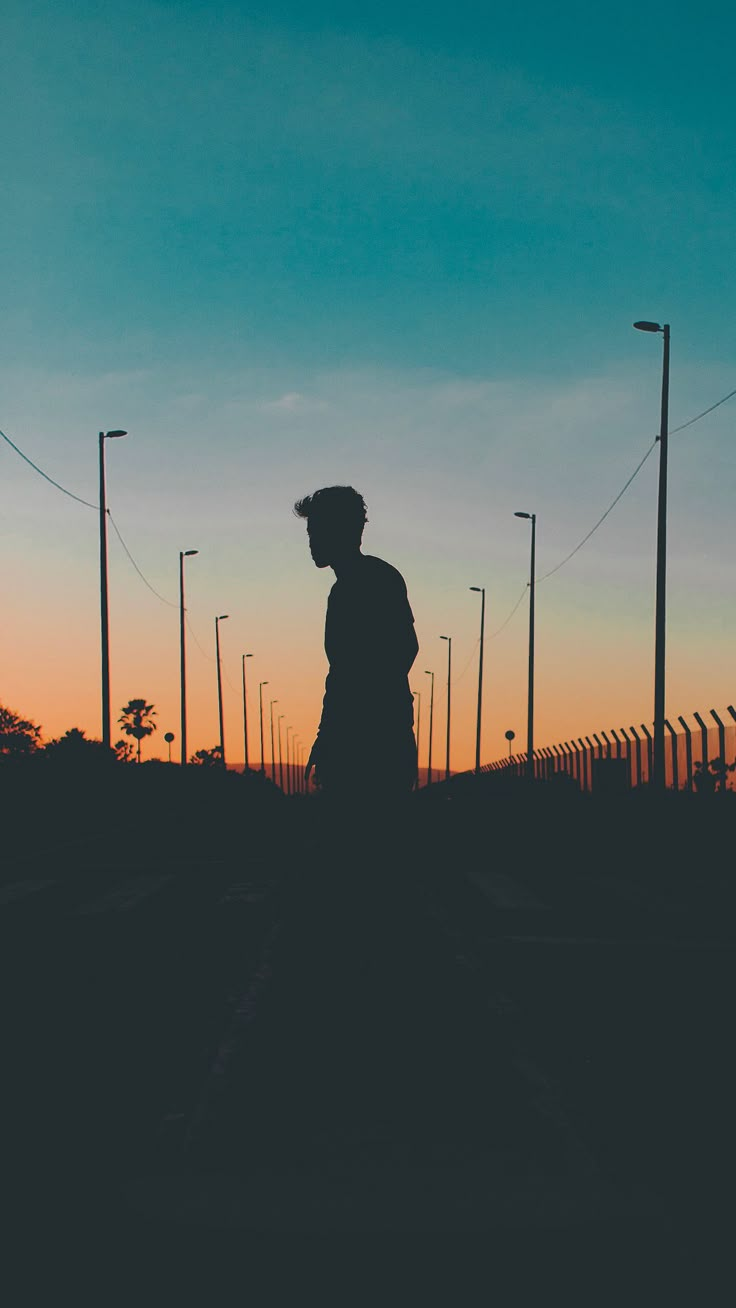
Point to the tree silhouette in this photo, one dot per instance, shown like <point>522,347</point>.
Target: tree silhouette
<point>207,758</point>
<point>124,751</point>
<point>136,720</point>
<point>18,738</point>
<point>707,782</point>
<point>76,749</point>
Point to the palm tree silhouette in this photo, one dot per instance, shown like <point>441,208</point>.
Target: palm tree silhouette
<point>135,720</point>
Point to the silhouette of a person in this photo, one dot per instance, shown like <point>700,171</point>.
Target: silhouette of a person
<point>365,744</point>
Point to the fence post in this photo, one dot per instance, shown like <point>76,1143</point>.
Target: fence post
<point>688,752</point>
<point>585,763</point>
<point>721,743</point>
<point>617,739</point>
<point>578,765</point>
<point>732,711</point>
<point>650,752</point>
<point>608,744</point>
<point>637,739</point>
<point>704,742</point>
<point>629,760</point>
<point>673,743</point>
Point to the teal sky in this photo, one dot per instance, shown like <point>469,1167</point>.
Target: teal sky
<point>465,187</point>
<point>288,244</point>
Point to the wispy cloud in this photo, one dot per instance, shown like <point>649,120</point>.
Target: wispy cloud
<point>294,403</point>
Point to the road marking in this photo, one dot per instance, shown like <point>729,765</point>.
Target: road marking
<point>16,890</point>
<point>243,892</point>
<point>646,941</point>
<point>124,897</point>
<point>504,892</point>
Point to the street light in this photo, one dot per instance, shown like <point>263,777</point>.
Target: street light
<point>418,695</point>
<point>427,673</point>
<point>658,778</point>
<point>104,613</point>
<point>281,764</point>
<point>532,517</point>
<point>273,758</point>
<point>246,762</point>
<point>288,761</point>
<point>481,590</point>
<point>221,618</point>
<point>510,735</point>
<point>183,554</point>
<point>449,671</point>
<point>261,684</point>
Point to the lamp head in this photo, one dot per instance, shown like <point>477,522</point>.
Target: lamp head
<point>522,515</point>
<point>445,637</point>
<point>223,616</point>
<point>189,553</point>
<point>110,435</point>
<point>478,588</point>
<point>247,656</point>
<point>647,326</point>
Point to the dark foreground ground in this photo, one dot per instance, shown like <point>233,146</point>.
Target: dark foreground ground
<point>511,1020</point>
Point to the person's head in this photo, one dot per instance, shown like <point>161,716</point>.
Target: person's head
<point>335,518</point>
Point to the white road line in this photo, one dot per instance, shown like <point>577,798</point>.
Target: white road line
<point>16,890</point>
<point>504,892</point>
<point>124,897</point>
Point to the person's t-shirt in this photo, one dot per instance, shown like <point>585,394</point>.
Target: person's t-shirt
<point>370,644</point>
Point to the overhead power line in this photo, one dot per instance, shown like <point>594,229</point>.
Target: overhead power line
<point>602,519</point>
<point>467,665</point>
<point>142,576</point>
<point>46,477</point>
<point>506,622</point>
<point>698,416</point>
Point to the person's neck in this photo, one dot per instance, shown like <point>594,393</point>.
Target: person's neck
<point>346,563</point>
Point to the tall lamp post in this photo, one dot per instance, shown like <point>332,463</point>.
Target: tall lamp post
<point>246,760</point>
<point>431,723</point>
<point>418,696</point>
<point>104,612</point>
<point>532,517</point>
<point>482,591</point>
<point>659,777</point>
<point>261,684</point>
<point>273,752</point>
<point>221,618</point>
<point>288,761</point>
<point>449,673</point>
<point>281,761</point>
<point>183,554</point>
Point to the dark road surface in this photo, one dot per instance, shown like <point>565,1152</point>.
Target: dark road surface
<point>264,1044</point>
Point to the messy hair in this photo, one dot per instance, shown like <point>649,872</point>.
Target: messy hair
<point>335,506</point>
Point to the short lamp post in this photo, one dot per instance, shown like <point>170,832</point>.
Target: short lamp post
<point>218,620</point>
<point>532,517</point>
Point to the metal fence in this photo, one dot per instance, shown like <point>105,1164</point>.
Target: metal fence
<point>700,755</point>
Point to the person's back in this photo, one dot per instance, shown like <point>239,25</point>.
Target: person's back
<point>365,743</point>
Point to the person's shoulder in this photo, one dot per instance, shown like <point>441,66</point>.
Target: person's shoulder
<point>384,573</point>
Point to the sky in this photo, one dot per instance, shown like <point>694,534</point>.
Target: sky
<point>290,245</point>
